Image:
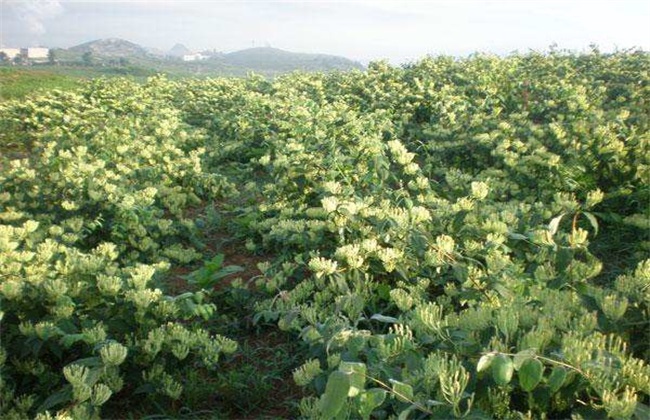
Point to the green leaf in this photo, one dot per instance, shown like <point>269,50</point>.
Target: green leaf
<point>403,392</point>
<point>357,372</point>
<point>530,374</point>
<point>563,259</point>
<point>555,224</point>
<point>69,340</point>
<point>310,334</point>
<point>336,393</point>
<point>522,356</point>
<point>502,369</point>
<point>502,290</point>
<point>592,220</point>
<point>404,415</point>
<point>61,396</point>
<point>211,272</point>
<point>216,262</point>
<point>384,318</point>
<point>517,236</point>
<point>147,388</point>
<point>642,411</point>
<point>556,378</point>
<point>369,400</point>
<point>91,362</point>
<point>226,271</point>
<point>484,362</point>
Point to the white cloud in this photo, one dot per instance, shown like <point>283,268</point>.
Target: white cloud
<point>360,29</point>
<point>34,13</point>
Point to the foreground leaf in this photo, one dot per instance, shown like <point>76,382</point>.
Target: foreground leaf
<point>336,393</point>
<point>530,374</point>
<point>556,379</point>
<point>502,369</point>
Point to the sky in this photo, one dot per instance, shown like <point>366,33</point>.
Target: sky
<point>399,31</point>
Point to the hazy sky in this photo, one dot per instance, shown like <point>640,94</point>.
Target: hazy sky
<point>362,30</point>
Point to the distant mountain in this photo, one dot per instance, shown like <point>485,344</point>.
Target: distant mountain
<point>276,60</point>
<point>179,50</point>
<point>266,60</point>
<point>155,51</point>
<point>110,47</point>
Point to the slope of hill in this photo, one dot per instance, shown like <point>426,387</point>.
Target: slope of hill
<point>178,50</point>
<point>110,47</point>
<point>265,60</point>
<point>273,59</point>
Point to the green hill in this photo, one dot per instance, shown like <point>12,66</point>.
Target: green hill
<point>273,59</point>
<point>110,47</point>
<point>265,60</point>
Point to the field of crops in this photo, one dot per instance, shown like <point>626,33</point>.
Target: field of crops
<point>452,238</point>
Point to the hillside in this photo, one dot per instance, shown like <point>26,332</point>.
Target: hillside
<point>266,58</point>
<point>178,50</point>
<point>110,47</point>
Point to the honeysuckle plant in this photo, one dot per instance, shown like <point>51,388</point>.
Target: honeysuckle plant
<point>451,238</point>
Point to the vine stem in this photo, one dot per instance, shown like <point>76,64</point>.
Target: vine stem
<point>574,225</point>
<point>400,395</point>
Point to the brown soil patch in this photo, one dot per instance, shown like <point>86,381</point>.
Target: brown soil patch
<point>268,355</point>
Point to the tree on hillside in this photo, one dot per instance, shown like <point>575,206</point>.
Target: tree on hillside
<point>87,58</point>
<point>51,56</point>
<point>4,58</point>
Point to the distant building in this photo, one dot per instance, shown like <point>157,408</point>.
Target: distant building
<point>11,53</point>
<point>35,53</point>
<point>195,57</point>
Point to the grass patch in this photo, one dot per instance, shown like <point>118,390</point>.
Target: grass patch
<point>17,83</point>
<point>20,82</point>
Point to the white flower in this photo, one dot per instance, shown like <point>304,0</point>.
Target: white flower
<point>399,152</point>
<point>445,244</point>
<point>419,214</point>
<point>322,266</point>
<point>332,187</point>
<point>369,245</point>
<point>351,255</point>
<point>265,160</point>
<point>350,207</point>
<point>411,169</point>
<point>480,190</point>
<point>330,204</point>
<point>390,257</point>
<point>69,205</point>
<point>113,354</point>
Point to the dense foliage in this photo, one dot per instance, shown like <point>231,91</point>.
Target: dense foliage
<point>456,237</point>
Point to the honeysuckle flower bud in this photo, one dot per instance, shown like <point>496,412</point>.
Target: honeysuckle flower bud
<point>351,255</point>
<point>81,392</point>
<point>480,190</point>
<point>419,214</point>
<point>100,394</point>
<point>330,204</point>
<point>390,257</point>
<point>113,354</point>
<point>76,375</point>
<point>322,266</point>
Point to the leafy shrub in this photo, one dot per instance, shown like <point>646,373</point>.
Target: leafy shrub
<point>455,237</point>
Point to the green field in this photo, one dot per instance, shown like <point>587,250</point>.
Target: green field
<point>451,238</point>
<point>17,82</point>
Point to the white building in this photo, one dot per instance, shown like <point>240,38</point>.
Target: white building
<point>11,53</point>
<point>36,53</point>
<point>195,57</point>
